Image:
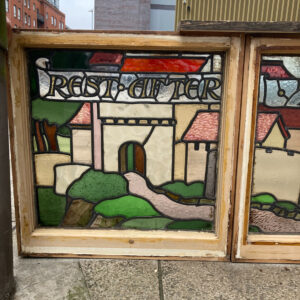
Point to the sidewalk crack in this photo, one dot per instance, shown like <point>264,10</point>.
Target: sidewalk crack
<point>160,282</point>
<point>84,279</point>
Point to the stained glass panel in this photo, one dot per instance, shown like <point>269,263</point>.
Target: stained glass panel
<point>126,140</point>
<point>275,201</point>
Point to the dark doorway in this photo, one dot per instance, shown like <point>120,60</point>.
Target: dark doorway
<point>132,158</point>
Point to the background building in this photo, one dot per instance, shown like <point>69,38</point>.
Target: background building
<point>35,14</point>
<point>135,14</point>
<point>238,10</point>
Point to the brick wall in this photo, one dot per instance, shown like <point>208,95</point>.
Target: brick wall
<point>28,17</point>
<point>122,14</point>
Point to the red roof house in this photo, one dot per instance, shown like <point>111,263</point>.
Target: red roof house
<point>83,117</point>
<point>265,123</point>
<point>203,128</point>
<point>290,115</point>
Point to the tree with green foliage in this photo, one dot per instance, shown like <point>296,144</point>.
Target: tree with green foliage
<point>48,116</point>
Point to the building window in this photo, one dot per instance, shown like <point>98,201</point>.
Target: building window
<point>62,26</point>
<point>52,20</point>
<point>25,19</point>
<point>6,5</point>
<point>28,3</point>
<point>28,20</point>
<point>33,6</point>
<point>46,16</point>
<point>15,11</point>
<point>19,13</point>
<point>33,23</point>
<point>24,2</point>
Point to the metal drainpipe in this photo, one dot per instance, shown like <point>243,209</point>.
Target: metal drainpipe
<point>6,254</point>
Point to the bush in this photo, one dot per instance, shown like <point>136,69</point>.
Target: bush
<point>127,206</point>
<point>95,186</point>
<point>287,205</point>
<point>191,225</point>
<point>264,199</point>
<point>194,190</point>
<point>147,223</point>
<point>51,207</point>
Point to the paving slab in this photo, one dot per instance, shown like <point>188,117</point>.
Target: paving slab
<point>121,279</point>
<point>226,281</point>
<point>43,279</point>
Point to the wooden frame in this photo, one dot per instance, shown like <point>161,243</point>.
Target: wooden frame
<point>257,247</point>
<point>33,241</point>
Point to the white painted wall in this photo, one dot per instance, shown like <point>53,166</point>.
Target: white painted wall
<point>196,163</point>
<point>116,135</point>
<point>82,146</point>
<point>277,173</point>
<point>159,152</point>
<point>135,110</point>
<point>158,149</point>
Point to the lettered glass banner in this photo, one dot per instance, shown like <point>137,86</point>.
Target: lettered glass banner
<point>125,140</point>
<point>135,77</point>
<point>275,206</point>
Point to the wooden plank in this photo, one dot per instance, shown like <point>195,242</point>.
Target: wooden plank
<point>175,258</point>
<point>20,144</point>
<point>228,142</point>
<point>245,27</point>
<point>239,91</point>
<point>241,168</point>
<point>126,41</point>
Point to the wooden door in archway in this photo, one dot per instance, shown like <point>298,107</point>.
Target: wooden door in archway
<point>132,158</point>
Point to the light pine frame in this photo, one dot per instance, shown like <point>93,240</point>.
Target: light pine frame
<point>283,248</point>
<point>33,241</point>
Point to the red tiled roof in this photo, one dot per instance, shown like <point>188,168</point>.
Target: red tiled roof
<point>291,115</point>
<point>178,65</point>
<point>203,128</point>
<point>265,122</point>
<point>83,116</point>
<point>104,58</point>
<point>275,71</point>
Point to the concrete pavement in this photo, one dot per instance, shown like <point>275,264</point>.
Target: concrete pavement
<point>93,279</point>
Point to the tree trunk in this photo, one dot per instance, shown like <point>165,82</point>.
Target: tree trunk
<point>50,131</point>
<point>39,138</point>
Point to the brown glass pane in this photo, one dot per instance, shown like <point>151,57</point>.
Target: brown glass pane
<point>122,159</point>
<point>139,159</point>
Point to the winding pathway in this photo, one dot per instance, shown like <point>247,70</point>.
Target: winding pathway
<point>138,186</point>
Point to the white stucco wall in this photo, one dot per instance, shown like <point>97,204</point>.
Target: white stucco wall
<point>158,149</point>
<point>116,135</point>
<point>159,152</point>
<point>196,163</point>
<point>135,110</point>
<point>82,146</point>
<point>277,173</point>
